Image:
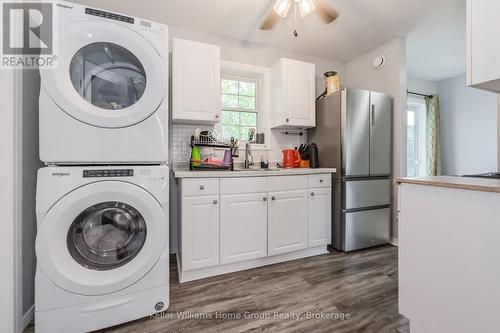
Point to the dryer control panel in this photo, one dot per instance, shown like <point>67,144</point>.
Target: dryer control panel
<point>108,173</point>
<point>108,15</point>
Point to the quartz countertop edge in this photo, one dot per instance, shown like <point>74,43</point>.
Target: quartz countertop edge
<point>456,182</point>
<point>183,173</point>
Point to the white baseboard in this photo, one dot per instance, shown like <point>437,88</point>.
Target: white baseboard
<point>28,317</point>
<point>394,241</point>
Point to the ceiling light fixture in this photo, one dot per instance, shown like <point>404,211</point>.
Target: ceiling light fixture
<point>281,7</point>
<point>305,7</point>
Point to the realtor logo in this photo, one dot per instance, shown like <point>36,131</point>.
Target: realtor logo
<point>28,34</point>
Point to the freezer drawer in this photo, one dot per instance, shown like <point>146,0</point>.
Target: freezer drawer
<point>366,193</point>
<point>366,228</point>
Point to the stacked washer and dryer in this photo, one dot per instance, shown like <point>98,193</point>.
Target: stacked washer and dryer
<point>102,200</point>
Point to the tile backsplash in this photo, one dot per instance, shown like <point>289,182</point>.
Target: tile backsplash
<point>181,135</point>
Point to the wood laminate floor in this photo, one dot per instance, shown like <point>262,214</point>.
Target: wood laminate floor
<point>362,285</point>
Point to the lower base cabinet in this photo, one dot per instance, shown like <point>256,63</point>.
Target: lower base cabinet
<point>319,231</point>
<point>200,232</point>
<point>237,220</point>
<point>243,227</point>
<point>287,221</point>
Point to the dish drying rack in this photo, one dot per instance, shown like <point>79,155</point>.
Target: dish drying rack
<point>213,140</point>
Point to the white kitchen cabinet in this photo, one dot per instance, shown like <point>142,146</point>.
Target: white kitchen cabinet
<point>235,223</point>
<point>196,96</point>
<point>319,229</point>
<point>243,227</point>
<point>483,49</point>
<point>293,94</point>
<point>287,221</point>
<point>200,231</point>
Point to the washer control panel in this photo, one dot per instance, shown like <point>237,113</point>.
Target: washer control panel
<point>108,173</point>
<point>108,15</point>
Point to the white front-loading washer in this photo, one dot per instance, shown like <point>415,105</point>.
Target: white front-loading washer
<point>107,99</point>
<point>101,246</point>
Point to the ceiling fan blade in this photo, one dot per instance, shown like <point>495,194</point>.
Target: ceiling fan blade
<point>270,21</point>
<point>327,13</point>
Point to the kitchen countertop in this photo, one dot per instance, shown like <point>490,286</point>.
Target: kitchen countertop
<point>185,173</point>
<point>463,183</point>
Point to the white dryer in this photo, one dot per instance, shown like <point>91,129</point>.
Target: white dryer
<point>101,247</point>
<point>107,100</point>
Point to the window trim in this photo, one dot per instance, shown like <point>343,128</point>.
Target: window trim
<point>234,77</point>
<point>417,105</point>
<point>263,98</point>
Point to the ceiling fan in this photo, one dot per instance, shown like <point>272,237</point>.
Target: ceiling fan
<point>304,7</point>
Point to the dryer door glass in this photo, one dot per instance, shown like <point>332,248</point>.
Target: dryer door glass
<point>106,236</point>
<point>107,76</point>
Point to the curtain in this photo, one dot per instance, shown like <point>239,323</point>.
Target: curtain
<point>433,136</point>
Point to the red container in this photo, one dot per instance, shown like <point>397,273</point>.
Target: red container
<point>291,158</point>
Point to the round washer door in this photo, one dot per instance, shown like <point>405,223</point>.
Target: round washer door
<point>108,75</point>
<point>101,238</point>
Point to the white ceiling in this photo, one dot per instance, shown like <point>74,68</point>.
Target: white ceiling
<point>361,26</point>
<point>436,47</point>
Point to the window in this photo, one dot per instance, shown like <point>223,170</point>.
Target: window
<point>240,106</point>
<point>415,138</point>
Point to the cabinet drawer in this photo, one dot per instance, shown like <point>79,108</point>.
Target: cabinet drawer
<point>287,183</point>
<point>243,185</point>
<point>200,186</point>
<point>318,181</point>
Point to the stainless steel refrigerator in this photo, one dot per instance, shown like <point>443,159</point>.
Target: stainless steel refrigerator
<point>354,134</point>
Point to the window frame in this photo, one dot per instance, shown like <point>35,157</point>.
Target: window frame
<point>263,77</point>
<point>256,110</point>
<point>418,106</point>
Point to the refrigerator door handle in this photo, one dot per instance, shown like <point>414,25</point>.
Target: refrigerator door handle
<point>373,114</point>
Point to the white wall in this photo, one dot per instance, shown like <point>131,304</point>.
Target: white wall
<point>468,128</point>
<point>257,54</point>
<point>30,165</point>
<point>422,86</point>
<point>10,197</point>
<point>390,79</point>
<point>247,53</point>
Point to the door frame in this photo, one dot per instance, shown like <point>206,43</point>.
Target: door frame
<point>11,201</point>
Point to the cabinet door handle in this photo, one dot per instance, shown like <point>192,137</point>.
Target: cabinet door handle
<point>287,120</point>
<point>273,198</point>
<point>215,202</point>
<point>202,187</point>
<point>373,114</point>
<point>217,116</point>
<point>264,199</point>
<point>312,194</point>
<point>321,180</point>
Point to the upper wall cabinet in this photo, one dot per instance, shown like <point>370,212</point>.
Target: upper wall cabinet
<point>483,49</point>
<point>293,94</point>
<point>196,83</point>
